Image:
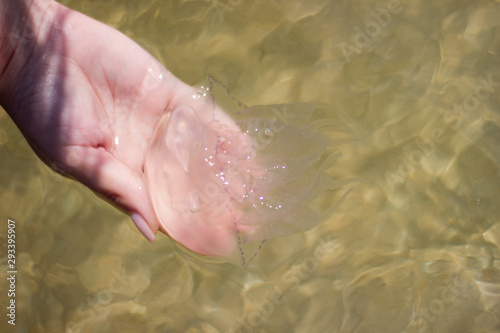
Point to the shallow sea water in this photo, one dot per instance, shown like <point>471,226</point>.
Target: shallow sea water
<point>414,249</point>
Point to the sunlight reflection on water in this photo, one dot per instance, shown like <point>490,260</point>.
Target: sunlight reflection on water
<point>417,250</point>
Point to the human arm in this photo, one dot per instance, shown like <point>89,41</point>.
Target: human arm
<point>86,98</point>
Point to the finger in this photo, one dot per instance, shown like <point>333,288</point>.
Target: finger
<point>102,172</point>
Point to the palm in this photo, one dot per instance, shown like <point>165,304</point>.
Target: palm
<point>96,107</point>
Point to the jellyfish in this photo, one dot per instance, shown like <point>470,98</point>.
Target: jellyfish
<point>220,181</point>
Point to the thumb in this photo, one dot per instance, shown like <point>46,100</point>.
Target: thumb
<point>102,172</point>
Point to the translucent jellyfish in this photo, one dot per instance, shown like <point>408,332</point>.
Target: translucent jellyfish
<point>222,185</point>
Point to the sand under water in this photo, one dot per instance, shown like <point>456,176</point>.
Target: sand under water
<point>415,248</point>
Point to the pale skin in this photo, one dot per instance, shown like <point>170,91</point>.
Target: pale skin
<point>86,97</point>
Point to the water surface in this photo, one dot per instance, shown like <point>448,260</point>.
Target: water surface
<point>415,250</point>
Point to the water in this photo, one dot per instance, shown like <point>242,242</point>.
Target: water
<point>414,250</point>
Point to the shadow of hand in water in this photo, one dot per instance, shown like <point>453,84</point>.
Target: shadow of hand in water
<point>86,97</point>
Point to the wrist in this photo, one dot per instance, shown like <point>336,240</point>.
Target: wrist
<point>24,27</point>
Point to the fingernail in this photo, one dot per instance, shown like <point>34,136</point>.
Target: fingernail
<point>143,226</point>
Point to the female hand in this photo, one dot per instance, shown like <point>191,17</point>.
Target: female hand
<point>86,97</point>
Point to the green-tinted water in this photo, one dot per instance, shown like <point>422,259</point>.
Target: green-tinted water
<point>416,250</point>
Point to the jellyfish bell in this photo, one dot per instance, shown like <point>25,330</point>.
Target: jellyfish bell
<point>222,185</point>
<point>189,173</point>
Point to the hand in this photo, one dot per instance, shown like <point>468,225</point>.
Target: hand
<point>88,98</point>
